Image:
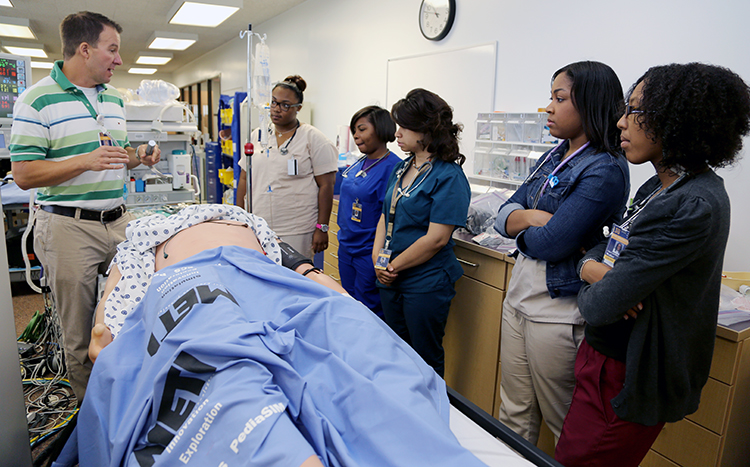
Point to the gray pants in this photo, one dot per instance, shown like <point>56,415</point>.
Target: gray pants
<point>537,357</point>
<point>73,252</point>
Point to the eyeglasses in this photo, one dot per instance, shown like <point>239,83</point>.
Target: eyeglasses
<point>629,109</point>
<point>284,106</point>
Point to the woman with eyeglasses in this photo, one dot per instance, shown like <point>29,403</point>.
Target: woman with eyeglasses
<point>574,191</point>
<point>293,176</point>
<point>361,201</point>
<point>651,317</point>
<point>427,197</point>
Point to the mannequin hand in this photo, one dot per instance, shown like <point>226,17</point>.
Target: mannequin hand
<point>100,338</point>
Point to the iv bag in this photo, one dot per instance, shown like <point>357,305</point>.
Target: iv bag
<point>261,76</point>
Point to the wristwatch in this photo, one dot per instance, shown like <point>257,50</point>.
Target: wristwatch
<point>323,227</point>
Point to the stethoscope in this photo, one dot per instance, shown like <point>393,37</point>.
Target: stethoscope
<point>410,189</point>
<point>363,173</point>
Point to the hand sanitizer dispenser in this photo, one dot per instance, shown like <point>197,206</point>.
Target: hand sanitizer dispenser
<point>179,165</point>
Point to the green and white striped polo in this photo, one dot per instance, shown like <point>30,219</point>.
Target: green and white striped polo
<point>53,120</point>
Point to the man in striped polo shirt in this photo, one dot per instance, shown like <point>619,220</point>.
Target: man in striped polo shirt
<point>69,140</point>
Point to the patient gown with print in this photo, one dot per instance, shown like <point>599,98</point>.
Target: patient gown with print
<point>231,360</point>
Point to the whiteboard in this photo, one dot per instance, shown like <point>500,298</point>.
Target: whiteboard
<point>464,77</point>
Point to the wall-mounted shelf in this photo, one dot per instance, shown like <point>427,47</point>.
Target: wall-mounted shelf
<point>507,146</point>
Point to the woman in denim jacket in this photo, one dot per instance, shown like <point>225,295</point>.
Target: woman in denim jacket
<point>574,191</point>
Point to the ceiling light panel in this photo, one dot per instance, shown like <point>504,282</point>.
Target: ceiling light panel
<point>145,58</point>
<point>206,13</point>
<point>26,51</point>
<point>171,41</point>
<point>45,65</point>
<point>15,27</point>
<point>142,71</point>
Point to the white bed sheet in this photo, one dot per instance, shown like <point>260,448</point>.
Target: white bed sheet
<point>486,447</point>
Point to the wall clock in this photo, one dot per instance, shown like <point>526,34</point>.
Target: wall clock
<point>436,18</point>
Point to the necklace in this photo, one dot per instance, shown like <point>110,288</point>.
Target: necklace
<point>164,251</point>
<point>282,133</point>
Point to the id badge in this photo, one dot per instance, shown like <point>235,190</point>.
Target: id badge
<point>356,211</point>
<point>384,257</point>
<point>105,139</point>
<point>291,167</point>
<point>617,242</point>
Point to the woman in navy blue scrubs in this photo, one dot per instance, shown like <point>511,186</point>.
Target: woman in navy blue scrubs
<point>426,199</point>
<point>361,202</point>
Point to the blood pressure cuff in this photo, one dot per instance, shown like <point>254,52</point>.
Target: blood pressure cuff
<point>221,364</point>
<point>291,258</point>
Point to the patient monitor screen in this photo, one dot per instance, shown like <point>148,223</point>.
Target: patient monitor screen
<point>13,81</point>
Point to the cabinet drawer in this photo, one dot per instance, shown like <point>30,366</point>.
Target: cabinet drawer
<point>688,444</point>
<point>331,271</point>
<point>333,239</point>
<point>724,362</point>
<point>332,257</point>
<point>333,228</point>
<point>654,459</point>
<point>712,413</point>
<point>472,341</point>
<point>483,268</point>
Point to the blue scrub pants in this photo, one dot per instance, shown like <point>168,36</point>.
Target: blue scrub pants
<point>419,319</point>
<point>358,278</point>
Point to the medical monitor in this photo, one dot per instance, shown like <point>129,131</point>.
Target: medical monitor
<point>15,77</point>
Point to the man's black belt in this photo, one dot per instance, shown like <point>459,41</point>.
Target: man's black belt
<point>86,214</point>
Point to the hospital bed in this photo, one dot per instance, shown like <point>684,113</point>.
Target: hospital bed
<point>492,442</point>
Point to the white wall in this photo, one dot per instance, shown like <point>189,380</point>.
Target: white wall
<point>341,47</point>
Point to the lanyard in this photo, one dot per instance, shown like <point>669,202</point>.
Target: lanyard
<point>644,202</point>
<point>552,178</point>
<point>398,192</point>
<point>363,172</point>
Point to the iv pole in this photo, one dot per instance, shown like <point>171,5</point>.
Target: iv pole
<point>248,148</point>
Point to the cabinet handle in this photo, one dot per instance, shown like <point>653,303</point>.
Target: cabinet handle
<point>463,261</point>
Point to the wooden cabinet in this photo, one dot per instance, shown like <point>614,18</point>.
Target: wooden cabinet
<point>331,256</point>
<point>472,336</point>
<point>718,434</point>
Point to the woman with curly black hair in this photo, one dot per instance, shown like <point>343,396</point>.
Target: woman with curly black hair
<point>651,317</point>
<point>427,197</point>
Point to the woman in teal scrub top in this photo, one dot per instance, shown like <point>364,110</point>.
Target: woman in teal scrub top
<point>361,202</point>
<point>426,199</point>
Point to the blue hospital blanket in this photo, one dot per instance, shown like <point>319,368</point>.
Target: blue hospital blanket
<point>232,360</point>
